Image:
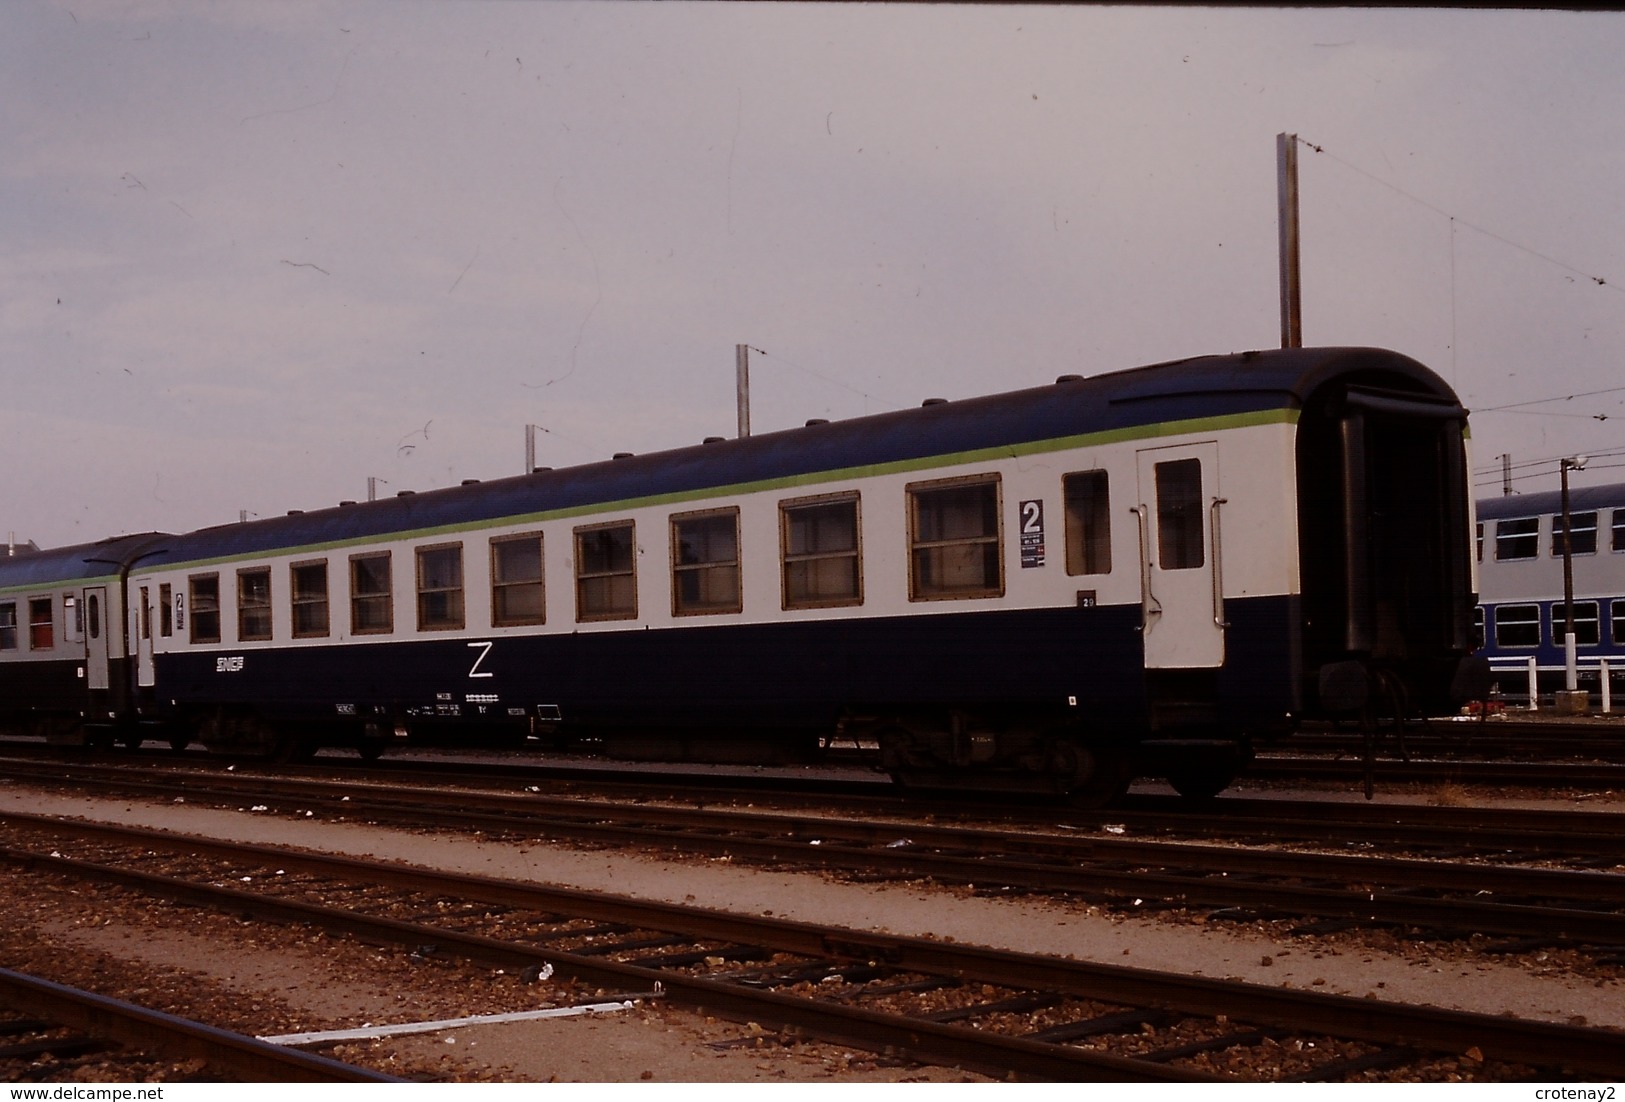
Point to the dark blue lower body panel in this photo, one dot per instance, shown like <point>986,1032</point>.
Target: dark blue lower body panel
<point>30,691</point>
<point>1080,662</point>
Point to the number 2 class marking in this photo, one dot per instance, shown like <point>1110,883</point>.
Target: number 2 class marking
<point>485,649</point>
<point>1032,517</point>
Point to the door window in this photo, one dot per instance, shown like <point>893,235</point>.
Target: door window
<point>1179,514</point>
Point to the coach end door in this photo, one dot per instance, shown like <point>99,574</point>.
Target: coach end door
<point>96,647</point>
<point>145,675</point>
<point>1180,571</point>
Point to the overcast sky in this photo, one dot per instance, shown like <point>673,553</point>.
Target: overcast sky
<point>252,254</point>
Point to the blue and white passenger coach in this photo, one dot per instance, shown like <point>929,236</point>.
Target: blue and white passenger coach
<point>1523,613</point>
<point>1064,587</point>
<point>64,660</point>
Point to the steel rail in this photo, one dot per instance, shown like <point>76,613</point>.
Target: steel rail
<point>1523,774</point>
<point>1092,866</point>
<point>150,1030</point>
<point>1197,876</point>
<point>1453,823</point>
<point>1600,739</point>
<point>1500,828</point>
<point>992,1054</point>
<point>859,789</point>
<point>1540,1044</point>
<point>1192,875</point>
<point>1474,828</point>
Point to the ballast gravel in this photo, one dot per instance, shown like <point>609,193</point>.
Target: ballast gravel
<point>262,979</point>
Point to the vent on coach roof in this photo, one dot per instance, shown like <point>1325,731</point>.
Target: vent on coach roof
<point>811,421</point>
<point>1068,379</point>
<point>470,482</point>
<point>934,402</point>
<point>623,455</point>
<point>714,439</point>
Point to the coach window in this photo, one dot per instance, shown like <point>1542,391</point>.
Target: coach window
<point>166,610</point>
<point>254,603</point>
<point>1088,523</point>
<point>606,572</point>
<point>73,619</point>
<point>1179,515</point>
<point>1517,539</point>
<point>1478,627</point>
<point>8,626</point>
<point>1616,626</point>
<point>1479,542</point>
<point>1619,530</point>
<point>818,546</point>
<point>517,596</point>
<point>440,587</point>
<point>1586,624</point>
<point>372,595</point>
<point>41,634</point>
<point>1582,534</point>
<point>705,563</point>
<point>1517,626</point>
<point>308,589</point>
<point>954,539</point>
<point>205,601</point>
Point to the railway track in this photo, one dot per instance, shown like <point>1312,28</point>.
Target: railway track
<point>1508,752</point>
<point>62,1023</point>
<point>1109,864</point>
<point>1546,755</point>
<point>1510,735</point>
<point>1387,771</point>
<point>1000,1013</point>
<point>1462,828</point>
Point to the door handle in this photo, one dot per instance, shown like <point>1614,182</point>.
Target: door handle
<point>1149,605</point>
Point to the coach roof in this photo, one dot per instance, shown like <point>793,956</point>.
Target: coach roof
<point>56,565</point>
<point>1582,499</point>
<point>1183,391</point>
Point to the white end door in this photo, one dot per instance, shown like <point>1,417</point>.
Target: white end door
<point>145,676</point>
<point>1180,574</point>
<point>96,646</point>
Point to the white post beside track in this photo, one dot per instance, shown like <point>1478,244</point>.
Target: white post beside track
<point>1534,687</point>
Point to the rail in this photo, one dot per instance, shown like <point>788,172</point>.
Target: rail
<point>247,1058</point>
<point>835,960</point>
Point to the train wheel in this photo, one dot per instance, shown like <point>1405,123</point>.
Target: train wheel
<point>1199,786</point>
<point>290,748</point>
<point>1095,776</point>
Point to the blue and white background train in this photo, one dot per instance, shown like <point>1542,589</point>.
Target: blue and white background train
<point>1141,573</point>
<point>1522,611</point>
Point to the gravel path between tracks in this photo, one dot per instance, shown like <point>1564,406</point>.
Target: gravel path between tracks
<point>276,981</point>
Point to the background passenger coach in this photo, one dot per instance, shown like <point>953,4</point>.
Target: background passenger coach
<point>1523,614</point>
<point>1058,589</point>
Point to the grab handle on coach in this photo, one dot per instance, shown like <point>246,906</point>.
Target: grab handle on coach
<point>1218,565</point>
<point>1149,605</point>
